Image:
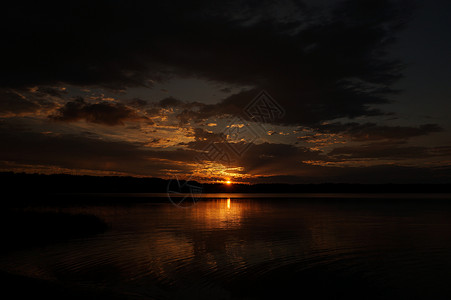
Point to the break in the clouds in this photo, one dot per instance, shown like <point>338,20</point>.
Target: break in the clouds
<point>109,67</point>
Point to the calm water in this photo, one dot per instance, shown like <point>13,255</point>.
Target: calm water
<point>238,248</point>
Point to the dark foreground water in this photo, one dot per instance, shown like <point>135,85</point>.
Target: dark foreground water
<point>259,248</point>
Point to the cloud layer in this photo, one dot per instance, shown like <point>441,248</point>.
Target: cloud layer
<point>328,68</point>
<point>318,65</point>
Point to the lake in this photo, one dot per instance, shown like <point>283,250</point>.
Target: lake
<point>232,246</point>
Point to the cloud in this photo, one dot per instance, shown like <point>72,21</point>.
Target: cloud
<point>14,103</point>
<point>277,159</point>
<point>86,152</point>
<point>388,151</point>
<point>204,138</point>
<point>172,108</point>
<point>363,174</point>
<point>260,163</point>
<point>319,65</point>
<point>372,131</point>
<point>170,102</point>
<point>137,102</point>
<point>20,102</point>
<point>43,91</point>
<point>106,113</point>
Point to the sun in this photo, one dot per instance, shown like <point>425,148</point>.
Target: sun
<point>228,182</point>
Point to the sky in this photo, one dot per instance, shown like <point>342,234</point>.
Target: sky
<point>248,91</point>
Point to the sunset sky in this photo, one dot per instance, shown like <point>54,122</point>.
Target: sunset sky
<point>361,90</point>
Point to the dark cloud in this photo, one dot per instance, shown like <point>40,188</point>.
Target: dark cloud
<point>204,138</point>
<point>107,113</point>
<point>137,102</point>
<point>226,90</point>
<point>253,159</point>
<point>16,102</point>
<point>372,131</point>
<point>170,102</point>
<point>388,151</point>
<point>270,159</point>
<point>362,174</point>
<point>11,102</point>
<point>185,112</point>
<point>154,111</point>
<point>318,65</point>
<point>44,91</point>
<point>81,152</point>
<point>265,162</point>
<point>194,113</point>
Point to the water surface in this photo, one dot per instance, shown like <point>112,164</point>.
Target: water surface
<point>253,248</point>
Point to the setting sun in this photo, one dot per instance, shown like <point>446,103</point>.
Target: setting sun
<point>228,182</point>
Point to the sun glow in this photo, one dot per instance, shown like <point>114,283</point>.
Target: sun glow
<point>218,173</point>
<point>228,182</point>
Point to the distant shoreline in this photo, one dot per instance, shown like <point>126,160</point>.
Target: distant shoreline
<point>22,183</point>
<point>236,195</point>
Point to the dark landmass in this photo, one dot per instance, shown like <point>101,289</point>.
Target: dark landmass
<point>21,229</point>
<point>21,183</point>
<point>26,229</point>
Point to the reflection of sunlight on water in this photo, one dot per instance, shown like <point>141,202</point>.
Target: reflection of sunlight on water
<point>219,214</point>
